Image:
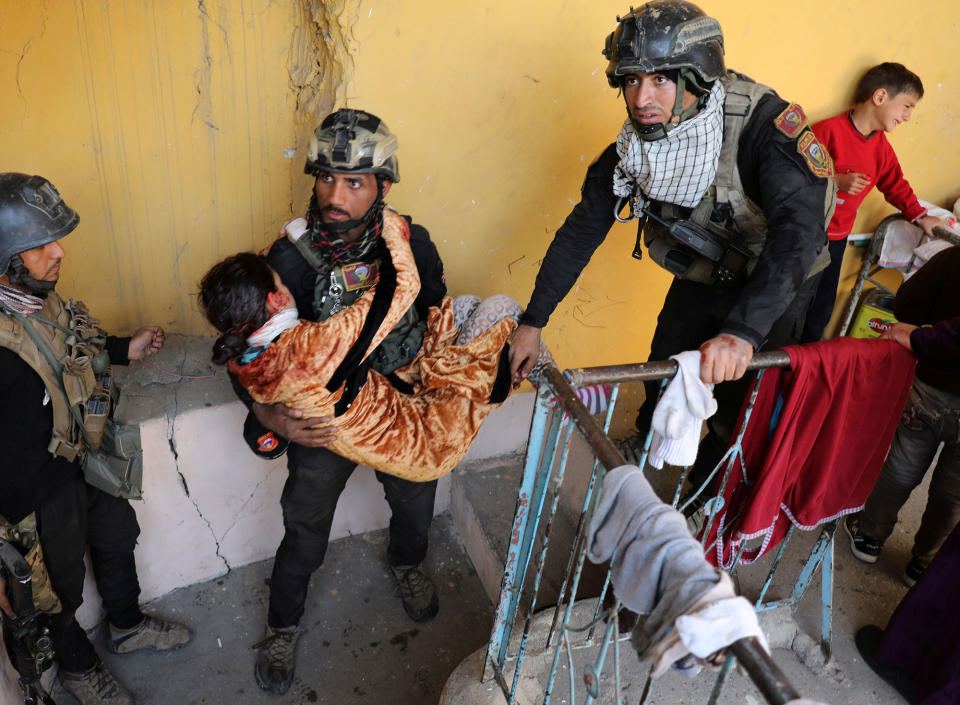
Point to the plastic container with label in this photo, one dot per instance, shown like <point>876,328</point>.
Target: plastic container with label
<point>874,315</point>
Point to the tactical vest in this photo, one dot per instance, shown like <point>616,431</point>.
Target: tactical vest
<point>725,210</point>
<point>340,286</point>
<point>80,390</point>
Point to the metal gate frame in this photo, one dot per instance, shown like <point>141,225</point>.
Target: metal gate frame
<point>544,467</point>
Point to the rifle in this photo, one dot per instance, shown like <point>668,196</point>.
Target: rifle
<point>28,640</point>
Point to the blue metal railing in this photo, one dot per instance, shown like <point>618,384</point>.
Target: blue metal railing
<point>557,412</point>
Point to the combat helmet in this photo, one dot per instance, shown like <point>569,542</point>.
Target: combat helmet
<point>32,214</point>
<point>667,36</point>
<point>353,141</point>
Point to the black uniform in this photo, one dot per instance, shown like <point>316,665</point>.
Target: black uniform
<point>767,308</point>
<point>71,515</point>
<point>318,476</point>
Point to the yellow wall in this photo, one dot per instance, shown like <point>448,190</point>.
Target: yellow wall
<point>500,107</point>
<point>165,123</point>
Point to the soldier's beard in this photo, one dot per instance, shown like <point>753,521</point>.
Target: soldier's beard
<point>19,276</point>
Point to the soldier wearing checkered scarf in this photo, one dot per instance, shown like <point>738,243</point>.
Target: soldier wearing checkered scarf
<point>730,192</point>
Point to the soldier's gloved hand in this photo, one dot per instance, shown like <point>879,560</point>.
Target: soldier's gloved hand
<point>524,349</point>
<point>289,423</point>
<point>4,602</point>
<point>724,358</point>
<point>145,342</point>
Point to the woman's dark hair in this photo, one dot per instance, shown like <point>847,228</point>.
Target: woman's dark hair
<point>233,296</point>
<point>896,78</point>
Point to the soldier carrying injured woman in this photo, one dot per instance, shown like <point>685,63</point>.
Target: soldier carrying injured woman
<point>460,375</point>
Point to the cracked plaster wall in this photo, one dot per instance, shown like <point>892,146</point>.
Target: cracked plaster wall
<point>177,130</point>
<point>209,504</point>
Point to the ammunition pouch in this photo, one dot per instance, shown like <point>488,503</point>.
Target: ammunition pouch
<point>110,453</point>
<point>401,345</point>
<point>25,538</point>
<point>116,467</point>
<point>691,251</point>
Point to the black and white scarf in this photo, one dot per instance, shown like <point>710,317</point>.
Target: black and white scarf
<point>678,168</point>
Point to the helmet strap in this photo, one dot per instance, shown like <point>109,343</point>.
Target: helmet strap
<point>19,275</point>
<point>679,114</point>
<point>651,133</point>
<point>332,247</point>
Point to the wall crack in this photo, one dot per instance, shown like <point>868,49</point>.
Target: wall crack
<point>181,478</point>
<point>240,510</point>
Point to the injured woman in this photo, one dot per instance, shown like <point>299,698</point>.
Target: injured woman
<point>460,375</point>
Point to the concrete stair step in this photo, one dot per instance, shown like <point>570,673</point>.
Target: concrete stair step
<point>483,499</point>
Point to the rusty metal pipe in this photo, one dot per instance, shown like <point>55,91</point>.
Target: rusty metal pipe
<point>658,369</point>
<point>948,235</point>
<point>605,450</point>
<point>764,673</point>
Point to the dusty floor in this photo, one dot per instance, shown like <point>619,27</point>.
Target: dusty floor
<point>359,645</point>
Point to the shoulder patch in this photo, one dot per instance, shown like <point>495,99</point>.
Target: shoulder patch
<point>815,155</point>
<point>267,442</point>
<point>359,275</point>
<point>791,121</point>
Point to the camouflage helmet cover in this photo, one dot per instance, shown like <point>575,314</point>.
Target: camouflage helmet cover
<point>353,141</point>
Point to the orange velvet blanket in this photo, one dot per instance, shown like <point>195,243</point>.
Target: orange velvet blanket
<point>419,436</point>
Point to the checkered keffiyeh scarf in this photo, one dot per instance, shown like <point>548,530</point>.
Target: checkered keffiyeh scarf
<point>678,168</point>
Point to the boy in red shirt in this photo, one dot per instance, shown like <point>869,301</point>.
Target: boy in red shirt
<point>862,157</point>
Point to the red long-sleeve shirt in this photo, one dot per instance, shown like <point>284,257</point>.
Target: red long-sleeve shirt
<point>871,155</point>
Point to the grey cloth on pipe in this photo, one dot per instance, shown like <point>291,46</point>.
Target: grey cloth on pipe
<point>657,567</point>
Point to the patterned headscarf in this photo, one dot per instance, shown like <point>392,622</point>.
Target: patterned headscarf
<point>333,249</point>
<point>16,301</point>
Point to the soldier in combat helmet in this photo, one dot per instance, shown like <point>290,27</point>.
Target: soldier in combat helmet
<point>730,190</point>
<point>45,505</point>
<point>327,263</point>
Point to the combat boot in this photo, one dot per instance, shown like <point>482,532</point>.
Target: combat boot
<point>418,594</point>
<point>152,633</point>
<point>96,686</point>
<point>276,655</point>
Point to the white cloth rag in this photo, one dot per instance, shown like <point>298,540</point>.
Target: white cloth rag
<point>679,415</point>
<point>903,246</point>
<point>718,625</point>
<point>717,620</point>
